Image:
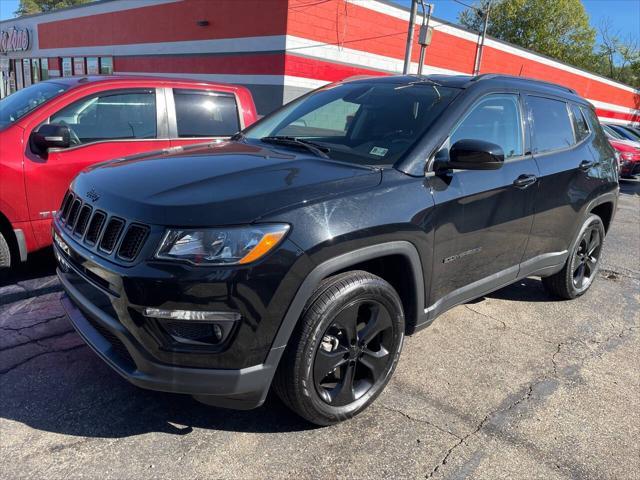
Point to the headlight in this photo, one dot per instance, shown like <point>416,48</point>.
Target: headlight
<point>221,246</point>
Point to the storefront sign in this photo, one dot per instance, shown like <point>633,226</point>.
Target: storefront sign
<point>14,40</point>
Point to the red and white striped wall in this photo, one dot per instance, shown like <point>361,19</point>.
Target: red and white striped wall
<point>283,48</point>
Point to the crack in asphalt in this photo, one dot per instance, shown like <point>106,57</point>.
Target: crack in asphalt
<point>36,340</point>
<point>419,420</point>
<point>19,329</point>
<point>529,391</point>
<point>507,327</point>
<point>48,352</point>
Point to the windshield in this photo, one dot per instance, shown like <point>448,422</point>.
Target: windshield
<point>18,104</point>
<point>365,123</point>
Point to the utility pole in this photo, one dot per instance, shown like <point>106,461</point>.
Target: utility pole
<point>478,62</point>
<point>407,52</point>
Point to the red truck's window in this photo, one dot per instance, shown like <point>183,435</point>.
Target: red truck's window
<point>111,116</point>
<point>205,114</point>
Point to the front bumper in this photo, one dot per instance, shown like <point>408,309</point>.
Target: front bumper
<point>104,300</point>
<point>238,388</point>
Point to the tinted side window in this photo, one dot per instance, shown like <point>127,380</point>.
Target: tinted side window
<point>205,114</point>
<point>551,124</point>
<point>494,119</point>
<point>111,116</point>
<point>579,123</point>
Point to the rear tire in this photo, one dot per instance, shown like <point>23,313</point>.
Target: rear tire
<point>345,349</point>
<point>583,262</point>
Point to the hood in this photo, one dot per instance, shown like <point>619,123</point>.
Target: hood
<point>216,184</point>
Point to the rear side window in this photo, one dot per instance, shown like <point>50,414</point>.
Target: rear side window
<point>579,123</point>
<point>495,119</point>
<point>110,116</point>
<point>205,114</point>
<point>552,128</point>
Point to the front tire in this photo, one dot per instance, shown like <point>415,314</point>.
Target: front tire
<point>583,263</point>
<point>345,349</point>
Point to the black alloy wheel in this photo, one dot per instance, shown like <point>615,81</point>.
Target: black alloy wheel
<point>581,267</point>
<point>344,349</point>
<point>586,256</point>
<point>354,353</point>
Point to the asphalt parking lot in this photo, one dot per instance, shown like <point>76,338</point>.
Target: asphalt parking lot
<point>514,385</point>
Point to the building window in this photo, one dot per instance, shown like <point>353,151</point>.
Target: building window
<point>106,65</point>
<point>78,66</point>
<point>26,72</point>
<point>35,70</point>
<point>44,68</point>
<point>66,67</point>
<point>93,67</point>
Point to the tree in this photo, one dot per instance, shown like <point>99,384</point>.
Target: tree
<point>619,57</point>
<point>557,28</point>
<point>29,7</point>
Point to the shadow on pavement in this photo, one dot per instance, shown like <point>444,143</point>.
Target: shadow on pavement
<point>39,264</point>
<point>73,393</point>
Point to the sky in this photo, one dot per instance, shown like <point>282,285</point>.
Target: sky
<point>624,14</point>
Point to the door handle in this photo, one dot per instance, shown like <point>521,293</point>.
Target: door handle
<point>586,165</point>
<point>523,181</point>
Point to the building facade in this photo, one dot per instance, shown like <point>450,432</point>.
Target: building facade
<point>280,49</point>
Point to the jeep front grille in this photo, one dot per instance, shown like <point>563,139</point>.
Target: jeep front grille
<point>132,241</point>
<point>83,220</point>
<point>111,234</point>
<point>97,229</point>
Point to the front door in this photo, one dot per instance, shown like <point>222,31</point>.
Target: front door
<point>482,219</point>
<point>104,126</point>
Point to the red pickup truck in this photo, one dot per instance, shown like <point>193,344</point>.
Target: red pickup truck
<point>53,129</point>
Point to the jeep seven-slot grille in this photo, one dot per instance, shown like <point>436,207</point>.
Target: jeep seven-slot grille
<point>109,234</point>
<point>95,227</point>
<point>83,220</point>
<point>132,241</point>
<point>73,213</point>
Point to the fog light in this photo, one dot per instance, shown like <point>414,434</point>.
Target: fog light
<point>192,315</point>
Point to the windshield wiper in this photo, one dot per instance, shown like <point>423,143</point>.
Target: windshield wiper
<point>318,150</point>
<point>238,137</point>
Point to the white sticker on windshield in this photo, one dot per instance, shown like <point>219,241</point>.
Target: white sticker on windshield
<point>379,151</point>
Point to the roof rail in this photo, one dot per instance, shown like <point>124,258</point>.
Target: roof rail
<point>488,76</point>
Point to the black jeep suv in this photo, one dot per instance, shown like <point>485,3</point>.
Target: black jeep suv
<point>303,250</point>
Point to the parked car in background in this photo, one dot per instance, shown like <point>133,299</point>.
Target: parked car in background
<point>53,129</point>
<point>624,132</point>
<point>628,158</point>
<point>303,250</point>
<point>628,152</point>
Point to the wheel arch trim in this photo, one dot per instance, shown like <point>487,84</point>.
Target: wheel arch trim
<point>336,264</point>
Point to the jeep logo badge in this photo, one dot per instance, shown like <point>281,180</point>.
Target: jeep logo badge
<point>93,195</point>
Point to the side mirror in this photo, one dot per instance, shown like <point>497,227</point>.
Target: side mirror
<point>471,155</point>
<point>50,136</point>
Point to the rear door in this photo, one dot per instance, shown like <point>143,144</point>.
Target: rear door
<point>198,116</point>
<point>482,219</point>
<point>569,175</point>
<point>106,125</point>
